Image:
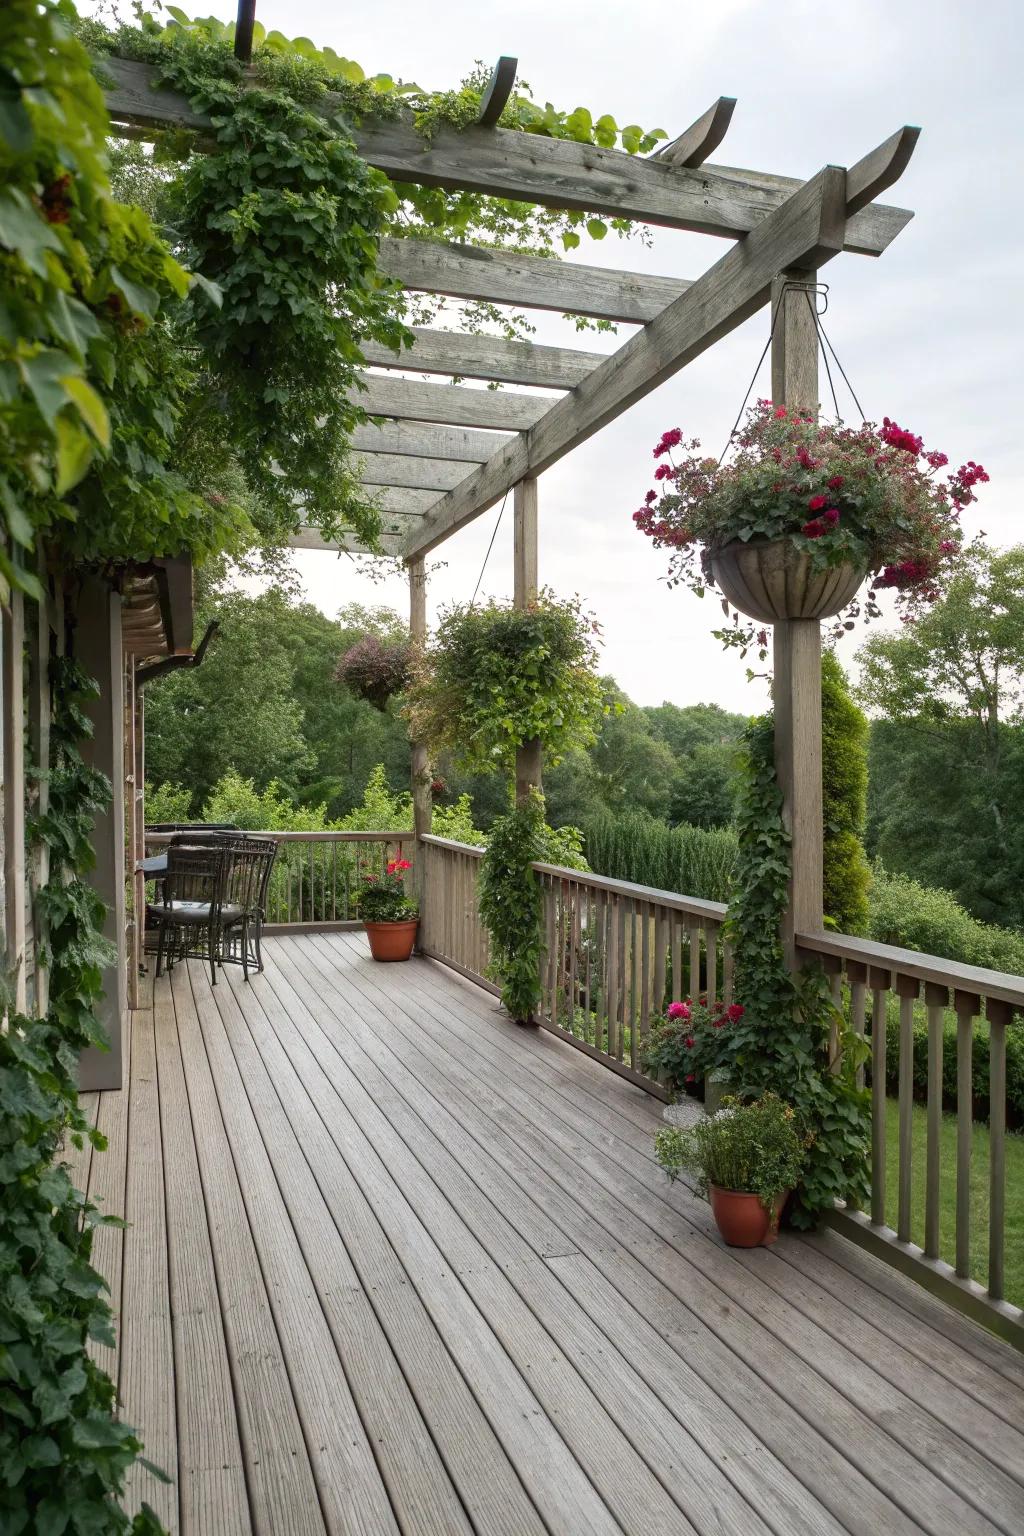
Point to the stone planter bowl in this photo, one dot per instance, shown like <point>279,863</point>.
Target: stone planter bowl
<point>772,579</point>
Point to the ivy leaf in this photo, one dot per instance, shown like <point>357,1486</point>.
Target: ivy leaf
<point>570,239</point>
<point>74,455</point>
<point>597,229</point>
<point>15,123</point>
<point>213,291</point>
<point>143,300</point>
<point>91,408</point>
<point>23,231</point>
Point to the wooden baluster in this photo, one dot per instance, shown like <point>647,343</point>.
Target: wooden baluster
<point>647,921</point>
<point>999,1015</point>
<point>857,977</point>
<point>936,1002</point>
<point>727,966</point>
<point>588,971</point>
<point>660,957</point>
<point>907,988</point>
<point>574,919</point>
<point>613,973</point>
<point>678,987</point>
<point>880,983</point>
<point>967,1005</point>
<point>634,982</point>
<point>833,968</point>
<point>711,951</point>
<point>334,882</point>
<point>695,963</point>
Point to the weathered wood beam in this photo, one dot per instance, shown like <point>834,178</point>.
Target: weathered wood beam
<point>555,173</point>
<point>881,169</point>
<point>311,538</point>
<point>530,282</point>
<point>499,89</point>
<point>487,357</point>
<point>429,442</point>
<point>402,499</point>
<point>808,231</point>
<point>376,469</point>
<point>409,400</point>
<point>702,138</point>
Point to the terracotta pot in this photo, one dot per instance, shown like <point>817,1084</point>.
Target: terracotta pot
<point>392,941</point>
<point>743,1220</point>
<point>770,579</point>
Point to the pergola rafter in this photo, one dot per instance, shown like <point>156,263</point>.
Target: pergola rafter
<point>440,454</point>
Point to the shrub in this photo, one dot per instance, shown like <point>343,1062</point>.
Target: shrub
<point>691,861</point>
<point>979,1066</point>
<point>932,921</point>
<point>237,800</point>
<point>380,810</point>
<point>456,821</point>
<point>688,1043</point>
<point>844,761</point>
<point>168,802</point>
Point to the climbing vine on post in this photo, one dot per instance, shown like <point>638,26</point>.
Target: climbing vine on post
<point>781,1044</point>
<point>511,904</point>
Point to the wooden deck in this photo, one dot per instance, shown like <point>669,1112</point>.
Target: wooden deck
<point>395,1265</point>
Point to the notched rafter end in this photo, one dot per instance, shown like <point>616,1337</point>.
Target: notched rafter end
<point>499,89</point>
<point>880,169</point>
<point>701,139</point>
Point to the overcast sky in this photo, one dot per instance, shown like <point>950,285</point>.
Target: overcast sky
<point>929,333</point>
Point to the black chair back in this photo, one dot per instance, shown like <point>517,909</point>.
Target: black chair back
<point>195,874</point>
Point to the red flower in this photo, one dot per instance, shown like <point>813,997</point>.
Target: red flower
<point>835,482</point>
<point>690,1078</point>
<point>816,503</point>
<point>670,439</point>
<point>663,472</point>
<point>689,1042</point>
<point>735,1011</point>
<point>896,437</point>
<point>814,529</point>
<point>831,516</point>
<point>678,1011</point>
<point>651,496</point>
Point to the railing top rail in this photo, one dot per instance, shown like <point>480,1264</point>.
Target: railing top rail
<point>451,845</point>
<point>999,985</point>
<point>321,836</point>
<point>710,911</point>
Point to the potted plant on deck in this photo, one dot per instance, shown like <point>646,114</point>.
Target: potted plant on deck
<point>791,525</point>
<point>390,916</point>
<point>686,1050</point>
<point>747,1158</point>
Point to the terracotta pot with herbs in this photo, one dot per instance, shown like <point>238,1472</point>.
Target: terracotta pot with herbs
<point>801,512</point>
<point>746,1158</point>
<point>390,915</point>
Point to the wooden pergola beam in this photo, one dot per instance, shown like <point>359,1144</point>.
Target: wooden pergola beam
<point>529,282</point>
<point>555,173</point>
<point>487,357</point>
<point>409,400</point>
<point>806,232</point>
<point>420,440</point>
<point>702,138</point>
<point>311,538</point>
<point>376,469</point>
<point>403,500</point>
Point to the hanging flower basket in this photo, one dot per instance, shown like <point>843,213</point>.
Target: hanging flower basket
<point>802,512</point>
<point>772,579</point>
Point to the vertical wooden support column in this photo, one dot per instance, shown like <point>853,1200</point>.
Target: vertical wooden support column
<point>14,793</point>
<point>797,642</point>
<point>39,711</point>
<point>98,648</point>
<point>422,803</point>
<point>529,765</point>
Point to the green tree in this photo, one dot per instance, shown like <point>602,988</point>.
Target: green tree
<point>844,763</point>
<point>947,755</point>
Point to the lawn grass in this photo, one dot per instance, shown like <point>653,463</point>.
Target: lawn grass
<point>1014,1284</point>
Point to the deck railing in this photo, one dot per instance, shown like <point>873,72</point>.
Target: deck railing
<point>316,877</point>
<point>865,976</point>
<point>614,953</point>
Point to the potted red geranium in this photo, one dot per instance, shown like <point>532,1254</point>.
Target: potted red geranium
<point>803,512</point>
<point>391,917</point>
<point>687,1050</point>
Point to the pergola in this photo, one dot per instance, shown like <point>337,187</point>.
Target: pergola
<point>439,455</point>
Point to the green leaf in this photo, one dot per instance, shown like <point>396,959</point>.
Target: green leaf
<point>25,231</point>
<point>570,240</point>
<point>142,300</point>
<point>15,123</point>
<point>74,454</point>
<point>213,291</point>
<point>597,229</point>
<point>91,408</point>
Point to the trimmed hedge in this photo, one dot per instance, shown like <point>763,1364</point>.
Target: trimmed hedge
<point>844,758</point>
<point>692,861</point>
<point>979,1067</point>
<point>932,921</point>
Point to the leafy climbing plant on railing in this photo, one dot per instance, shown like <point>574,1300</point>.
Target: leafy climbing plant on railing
<point>511,904</point>
<point>63,1450</point>
<point>781,1043</point>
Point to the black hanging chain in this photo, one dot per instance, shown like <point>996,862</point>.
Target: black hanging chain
<point>811,292</point>
<point>494,535</point>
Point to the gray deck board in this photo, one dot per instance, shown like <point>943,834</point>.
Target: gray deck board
<point>398,1266</point>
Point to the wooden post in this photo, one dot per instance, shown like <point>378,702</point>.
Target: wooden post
<point>528,757</point>
<point>97,642</point>
<point>796,688</point>
<point>14,793</point>
<point>422,802</point>
<point>39,710</point>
